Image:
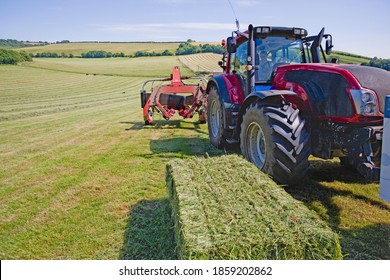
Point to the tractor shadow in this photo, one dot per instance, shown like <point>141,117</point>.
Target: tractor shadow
<point>368,243</point>
<point>149,234</point>
<point>319,194</point>
<point>182,124</point>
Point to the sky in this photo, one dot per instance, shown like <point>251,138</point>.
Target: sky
<point>359,27</point>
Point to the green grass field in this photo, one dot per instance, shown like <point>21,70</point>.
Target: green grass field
<point>82,178</point>
<point>202,62</point>
<point>347,58</point>
<point>135,67</point>
<point>78,48</point>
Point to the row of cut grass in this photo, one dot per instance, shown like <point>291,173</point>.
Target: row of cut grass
<point>129,67</point>
<point>225,208</point>
<point>202,62</point>
<point>57,91</point>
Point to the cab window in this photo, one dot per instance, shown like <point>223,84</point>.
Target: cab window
<point>238,60</point>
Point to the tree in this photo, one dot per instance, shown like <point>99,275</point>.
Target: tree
<point>13,57</point>
<point>25,56</point>
<point>379,63</point>
<point>94,54</point>
<point>189,48</point>
<point>166,53</point>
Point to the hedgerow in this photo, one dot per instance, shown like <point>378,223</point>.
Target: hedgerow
<point>13,57</point>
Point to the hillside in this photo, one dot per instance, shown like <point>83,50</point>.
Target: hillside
<point>348,58</point>
<point>12,44</point>
<point>134,67</point>
<point>78,48</point>
<point>202,62</point>
<point>129,48</point>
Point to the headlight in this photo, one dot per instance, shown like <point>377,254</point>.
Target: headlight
<point>369,108</point>
<point>365,102</point>
<point>365,97</point>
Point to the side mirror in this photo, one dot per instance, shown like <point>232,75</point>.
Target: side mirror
<point>231,44</point>
<point>328,46</point>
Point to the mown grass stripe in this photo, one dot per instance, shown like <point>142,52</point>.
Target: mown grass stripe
<point>244,214</point>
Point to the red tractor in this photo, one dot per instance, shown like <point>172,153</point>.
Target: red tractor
<point>282,101</point>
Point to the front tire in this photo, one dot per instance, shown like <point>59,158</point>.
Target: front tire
<point>275,138</point>
<point>217,133</point>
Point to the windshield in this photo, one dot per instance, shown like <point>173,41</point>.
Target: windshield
<point>275,51</point>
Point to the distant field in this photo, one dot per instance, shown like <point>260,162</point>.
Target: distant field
<point>348,58</point>
<point>202,62</point>
<point>81,177</point>
<point>78,48</point>
<point>130,48</point>
<point>130,67</point>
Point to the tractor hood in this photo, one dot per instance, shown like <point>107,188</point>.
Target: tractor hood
<point>372,78</point>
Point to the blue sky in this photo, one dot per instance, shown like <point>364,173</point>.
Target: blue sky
<point>360,27</point>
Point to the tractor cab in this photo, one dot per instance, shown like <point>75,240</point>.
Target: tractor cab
<point>282,102</point>
<point>256,53</point>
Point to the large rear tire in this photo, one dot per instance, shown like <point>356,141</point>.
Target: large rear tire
<point>217,133</point>
<point>275,138</point>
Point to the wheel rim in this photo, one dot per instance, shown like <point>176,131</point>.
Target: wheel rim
<point>214,118</point>
<point>255,143</point>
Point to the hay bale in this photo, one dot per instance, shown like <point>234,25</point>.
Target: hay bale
<point>225,208</point>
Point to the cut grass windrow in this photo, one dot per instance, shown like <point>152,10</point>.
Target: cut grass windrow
<point>225,208</point>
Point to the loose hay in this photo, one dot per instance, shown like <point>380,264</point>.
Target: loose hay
<point>225,208</point>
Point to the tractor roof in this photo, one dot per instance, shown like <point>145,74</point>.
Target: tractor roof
<point>288,32</point>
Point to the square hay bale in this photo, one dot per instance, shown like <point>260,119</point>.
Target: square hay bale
<point>226,208</point>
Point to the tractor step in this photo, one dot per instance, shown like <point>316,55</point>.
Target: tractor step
<point>232,141</point>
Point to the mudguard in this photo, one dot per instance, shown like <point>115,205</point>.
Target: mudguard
<point>261,95</point>
<point>230,93</point>
<point>222,90</point>
<point>230,88</point>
